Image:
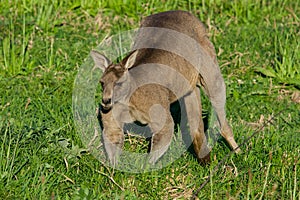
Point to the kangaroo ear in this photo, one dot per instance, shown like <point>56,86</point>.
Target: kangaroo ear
<point>100,60</point>
<point>129,61</point>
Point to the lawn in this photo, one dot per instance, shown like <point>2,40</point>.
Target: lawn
<point>43,45</point>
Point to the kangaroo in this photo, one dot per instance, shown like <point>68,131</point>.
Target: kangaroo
<point>146,82</point>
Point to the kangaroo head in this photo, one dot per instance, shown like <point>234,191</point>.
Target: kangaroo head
<point>114,75</point>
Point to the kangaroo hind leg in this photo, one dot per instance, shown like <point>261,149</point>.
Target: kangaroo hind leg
<point>194,114</point>
<point>216,91</point>
<point>162,126</point>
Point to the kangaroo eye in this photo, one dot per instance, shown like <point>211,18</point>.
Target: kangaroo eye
<point>118,83</point>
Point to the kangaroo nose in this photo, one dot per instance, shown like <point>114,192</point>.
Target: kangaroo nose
<point>106,101</point>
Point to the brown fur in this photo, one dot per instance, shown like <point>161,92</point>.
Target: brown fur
<point>130,92</point>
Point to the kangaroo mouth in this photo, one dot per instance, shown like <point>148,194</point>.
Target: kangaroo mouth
<point>106,107</point>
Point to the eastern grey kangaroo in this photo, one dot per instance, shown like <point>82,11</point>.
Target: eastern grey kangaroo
<point>143,85</point>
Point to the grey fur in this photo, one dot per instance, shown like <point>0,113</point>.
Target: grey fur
<point>144,84</point>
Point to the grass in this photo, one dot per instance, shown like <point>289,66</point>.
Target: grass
<point>44,43</point>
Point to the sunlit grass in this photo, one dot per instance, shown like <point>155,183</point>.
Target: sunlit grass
<point>43,44</point>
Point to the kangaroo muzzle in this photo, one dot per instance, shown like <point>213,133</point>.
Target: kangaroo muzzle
<point>106,103</point>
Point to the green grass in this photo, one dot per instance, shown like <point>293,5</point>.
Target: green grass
<point>44,43</point>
